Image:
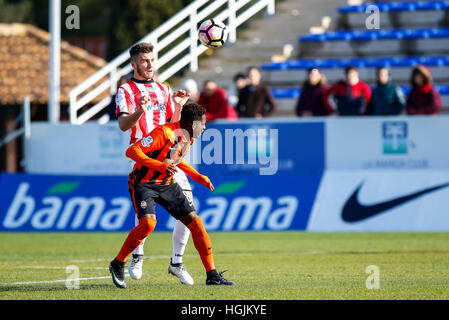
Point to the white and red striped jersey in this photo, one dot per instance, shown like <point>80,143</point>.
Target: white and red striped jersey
<point>159,111</point>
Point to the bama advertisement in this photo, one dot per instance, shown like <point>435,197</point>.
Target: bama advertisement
<point>375,200</point>
<point>93,203</point>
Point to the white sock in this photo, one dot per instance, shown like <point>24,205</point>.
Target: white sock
<point>139,249</point>
<point>180,238</point>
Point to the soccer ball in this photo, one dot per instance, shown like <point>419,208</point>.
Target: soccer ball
<point>213,33</point>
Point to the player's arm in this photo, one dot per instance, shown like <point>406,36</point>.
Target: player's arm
<point>125,120</point>
<point>139,150</point>
<point>179,99</point>
<point>195,175</point>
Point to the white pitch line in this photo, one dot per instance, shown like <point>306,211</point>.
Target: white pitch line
<point>58,268</point>
<point>126,272</point>
<point>55,281</point>
<point>50,281</point>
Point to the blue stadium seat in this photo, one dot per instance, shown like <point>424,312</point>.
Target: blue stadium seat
<point>398,6</point>
<point>436,61</point>
<point>362,35</point>
<point>289,93</point>
<point>443,90</point>
<point>294,93</point>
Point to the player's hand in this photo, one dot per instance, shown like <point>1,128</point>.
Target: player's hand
<point>180,97</point>
<point>206,181</point>
<point>171,170</point>
<point>210,186</point>
<point>143,102</point>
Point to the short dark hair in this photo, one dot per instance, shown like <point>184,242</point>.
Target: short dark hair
<point>382,68</point>
<point>239,76</point>
<point>350,68</point>
<point>142,47</point>
<point>192,112</point>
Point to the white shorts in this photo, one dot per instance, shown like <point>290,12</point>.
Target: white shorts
<point>179,176</point>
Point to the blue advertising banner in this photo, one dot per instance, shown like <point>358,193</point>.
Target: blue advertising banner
<point>257,202</point>
<point>102,203</point>
<point>64,203</point>
<point>261,148</point>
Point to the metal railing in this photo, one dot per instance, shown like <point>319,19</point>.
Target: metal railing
<point>185,35</point>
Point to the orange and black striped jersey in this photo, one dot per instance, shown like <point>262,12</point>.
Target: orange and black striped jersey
<point>153,153</point>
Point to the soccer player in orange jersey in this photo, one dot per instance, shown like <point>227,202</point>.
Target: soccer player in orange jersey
<point>143,104</point>
<point>158,157</point>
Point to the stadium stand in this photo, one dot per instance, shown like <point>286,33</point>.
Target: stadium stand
<point>368,35</point>
<point>399,46</point>
<point>361,43</point>
<point>284,73</point>
<point>398,6</point>
<point>294,93</point>
<point>416,14</point>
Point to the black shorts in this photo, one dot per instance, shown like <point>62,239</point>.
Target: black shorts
<point>172,198</point>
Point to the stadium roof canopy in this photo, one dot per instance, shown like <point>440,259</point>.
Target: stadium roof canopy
<point>24,58</point>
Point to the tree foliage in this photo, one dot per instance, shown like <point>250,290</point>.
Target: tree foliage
<point>134,19</point>
<point>122,22</point>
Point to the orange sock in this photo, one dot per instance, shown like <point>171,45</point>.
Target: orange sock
<point>135,237</point>
<point>202,243</point>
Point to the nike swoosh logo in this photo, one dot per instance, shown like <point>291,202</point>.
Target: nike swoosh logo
<point>354,211</point>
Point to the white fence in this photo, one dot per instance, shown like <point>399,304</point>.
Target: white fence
<point>185,34</point>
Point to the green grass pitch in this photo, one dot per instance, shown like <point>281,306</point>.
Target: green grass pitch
<point>265,265</point>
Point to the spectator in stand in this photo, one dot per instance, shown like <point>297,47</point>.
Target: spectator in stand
<point>112,106</point>
<point>215,100</point>
<point>255,100</point>
<point>191,88</point>
<point>240,82</point>
<point>311,100</point>
<point>348,97</point>
<point>423,98</point>
<point>387,98</point>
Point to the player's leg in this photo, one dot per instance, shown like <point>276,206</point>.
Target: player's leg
<point>176,203</point>
<point>181,236</point>
<point>203,245</point>
<point>143,201</point>
<point>135,268</point>
<point>135,237</point>
<point>180,232</point>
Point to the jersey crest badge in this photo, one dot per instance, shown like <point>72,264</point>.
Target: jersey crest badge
<point>147,141</point>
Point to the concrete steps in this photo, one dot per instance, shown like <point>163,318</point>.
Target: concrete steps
<point>266,37</point>
<point>263,39</point>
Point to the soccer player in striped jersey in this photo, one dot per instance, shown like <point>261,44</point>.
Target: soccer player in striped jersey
<point>158,156</point>
<point>142,105</point>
